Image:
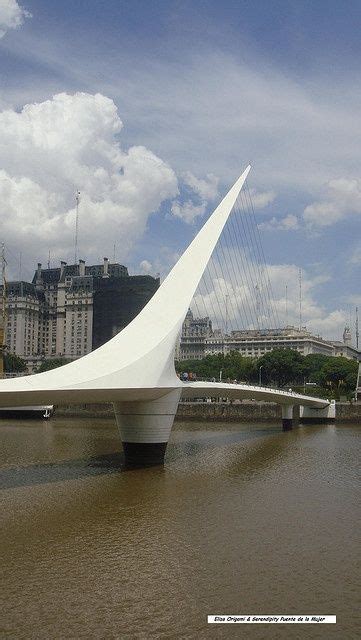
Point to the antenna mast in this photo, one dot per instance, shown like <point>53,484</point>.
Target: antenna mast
<point>77,200</point>
<point>300,289</point>
<point>286,306</point>
<point>226,327</point>
<point>3,273</point>
<point>258,305</point>
<point>357,331</point>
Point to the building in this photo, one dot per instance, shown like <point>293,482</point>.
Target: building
<point>25,311</point>
<point>195,331</point>
<point>116,301</point>
<point>68,311</point>
<point>345,350</point>
<point>1,337</point>
<point>254,343</point>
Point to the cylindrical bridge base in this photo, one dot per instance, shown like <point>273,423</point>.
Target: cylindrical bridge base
<point>287,417</point>
<point>287,424</point>
<point>144,454</point>
<point>145,428</point>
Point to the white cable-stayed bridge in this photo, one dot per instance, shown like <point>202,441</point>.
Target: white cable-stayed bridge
<point>135,369</point>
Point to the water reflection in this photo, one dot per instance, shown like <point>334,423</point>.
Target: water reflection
<point>55,436</point>
<point>60,471</point>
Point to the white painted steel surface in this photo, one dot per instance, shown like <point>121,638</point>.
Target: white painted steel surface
<point>147,421</point>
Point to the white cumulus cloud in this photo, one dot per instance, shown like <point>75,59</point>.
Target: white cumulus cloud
<point>146,266</point>
<point>206,188</point>
<point>201,192</point>
<point>261,199</point>
<point>341,198</point>
<point>53,148</point>
<point>288,223</point>
<point>12,15</point>
<point>188,211</point>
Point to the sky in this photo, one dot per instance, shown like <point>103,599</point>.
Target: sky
<point>152,110</point>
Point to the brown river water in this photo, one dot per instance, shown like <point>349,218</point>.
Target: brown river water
<point>241,520</point>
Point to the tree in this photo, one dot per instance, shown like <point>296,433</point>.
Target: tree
<point>281,366</point>
<point>208,367</point>
<point>47,365</point>
<point>238,367</point>
<point>339,375</point>
<point>312,365</point>
<point>14,364</point>
<point>233,366</point>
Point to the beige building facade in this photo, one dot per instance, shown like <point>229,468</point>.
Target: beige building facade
<point>199,340</point>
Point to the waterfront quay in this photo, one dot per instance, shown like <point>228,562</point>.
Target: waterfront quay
<point>243,412</point>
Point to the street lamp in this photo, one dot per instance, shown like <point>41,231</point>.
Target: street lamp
<point>260,375</point>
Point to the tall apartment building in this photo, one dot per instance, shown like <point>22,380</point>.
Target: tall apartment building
<point>195,332</point>
<point>1,336</point>
<point>198,340</point>
<point>68,311</point>
<point>24,315</point>
<point>116,301</point>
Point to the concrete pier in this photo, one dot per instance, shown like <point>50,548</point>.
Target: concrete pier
<point>145,428</point>
<point>316,415</point>
<point>287,417</point>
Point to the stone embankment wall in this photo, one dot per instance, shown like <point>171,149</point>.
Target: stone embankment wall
<point>217,411</point>
<point>254,412</point>
<point>227,412</point>
<point>347,412</point>
<point>86,410</point>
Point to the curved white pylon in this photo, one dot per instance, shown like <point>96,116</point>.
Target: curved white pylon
<point>138,363</point>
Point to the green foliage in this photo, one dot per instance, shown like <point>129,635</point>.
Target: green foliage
<point>312,365</point>
<point>339,375</point>
<point>233,367</point>
<point>14,364</point>
<point>47,365</point>
<point>316,392</point>
<point>281,367</point>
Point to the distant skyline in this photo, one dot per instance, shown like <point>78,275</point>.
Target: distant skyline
<point>152,110</point>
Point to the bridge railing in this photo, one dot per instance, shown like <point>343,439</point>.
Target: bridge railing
<point>240,382</point>
<point>256,386</point>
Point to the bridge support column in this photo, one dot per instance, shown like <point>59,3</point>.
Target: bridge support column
<point>287,417</point>
<point>145,428</point>
<point>315,415</point>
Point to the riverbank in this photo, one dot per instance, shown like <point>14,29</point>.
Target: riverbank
<point>217,411</point>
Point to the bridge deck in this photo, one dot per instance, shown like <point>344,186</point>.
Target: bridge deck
<point>243,391</point>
